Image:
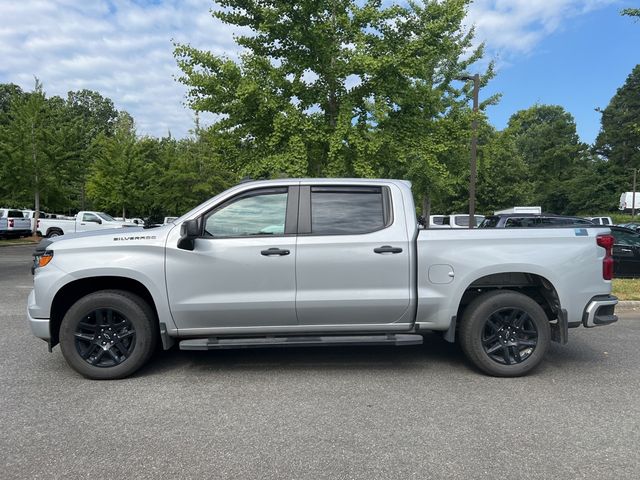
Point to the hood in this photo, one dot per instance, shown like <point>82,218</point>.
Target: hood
<point>111,232</point>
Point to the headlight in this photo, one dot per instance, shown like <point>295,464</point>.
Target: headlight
<point>41,259</point>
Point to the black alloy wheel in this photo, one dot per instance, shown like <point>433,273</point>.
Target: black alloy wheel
<point>504,333</point>
<point>509,336</point>
<point>105,338</point>
<point>108,334</point>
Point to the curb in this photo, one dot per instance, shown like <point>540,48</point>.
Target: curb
<point>628,305</point>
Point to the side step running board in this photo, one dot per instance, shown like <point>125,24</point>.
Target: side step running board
<point>215,343</point>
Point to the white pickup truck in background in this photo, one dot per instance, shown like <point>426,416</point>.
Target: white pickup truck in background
<point>13,223</point>
<point>85,221</point>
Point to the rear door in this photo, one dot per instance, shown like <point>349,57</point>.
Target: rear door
<point>353,256</point>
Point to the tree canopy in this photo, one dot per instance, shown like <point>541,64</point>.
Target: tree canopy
<point>340,88</point>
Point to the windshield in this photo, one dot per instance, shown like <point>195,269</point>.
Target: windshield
<point>489,222</point>
<point>106,217</point>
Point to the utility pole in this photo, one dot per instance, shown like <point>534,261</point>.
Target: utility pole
<point>633,195</point>
<point>474,149</point>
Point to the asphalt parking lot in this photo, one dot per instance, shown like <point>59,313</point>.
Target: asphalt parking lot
<point>336,413</point>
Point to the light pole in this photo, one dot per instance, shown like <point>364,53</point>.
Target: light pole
<point>474,149</point>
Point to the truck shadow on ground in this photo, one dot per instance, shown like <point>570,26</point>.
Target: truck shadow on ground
<point>434,354</point>
<point>434,351</point>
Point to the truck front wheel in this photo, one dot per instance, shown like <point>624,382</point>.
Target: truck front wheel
<point>505,333</point>
<point>108,334</point>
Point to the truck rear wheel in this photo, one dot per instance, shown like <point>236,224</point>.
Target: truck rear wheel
<point>505,333</point>
<point>108,334</point>
<point>54,232</point>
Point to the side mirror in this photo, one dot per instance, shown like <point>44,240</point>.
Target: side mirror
<point>99,222</point>
<point>189,231</point>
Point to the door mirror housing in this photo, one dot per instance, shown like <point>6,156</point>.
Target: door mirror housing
<point>189,231</point>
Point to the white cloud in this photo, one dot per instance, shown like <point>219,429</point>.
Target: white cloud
<point>123,48</point>
<point>517,26</point>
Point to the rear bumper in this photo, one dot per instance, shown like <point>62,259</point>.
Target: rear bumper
<point>16,233</point>
<point>600,311</point>
<point>39,326</point>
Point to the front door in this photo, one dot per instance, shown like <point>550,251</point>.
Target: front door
<point>241,272</point>
<point>88,222</point>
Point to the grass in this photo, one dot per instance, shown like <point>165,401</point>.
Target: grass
<point>627,288</point>
<point>18,241</point>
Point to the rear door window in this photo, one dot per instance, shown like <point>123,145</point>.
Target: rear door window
<point>626,238</point>
<point>347,210</point>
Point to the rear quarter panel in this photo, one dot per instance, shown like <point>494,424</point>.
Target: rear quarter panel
<point>570,260</point>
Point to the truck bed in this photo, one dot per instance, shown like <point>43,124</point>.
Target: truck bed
<point>451,261</point>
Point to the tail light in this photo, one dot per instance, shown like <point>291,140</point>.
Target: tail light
<point>11,223</point>
<point>606,242</point>
<point>38,223</point>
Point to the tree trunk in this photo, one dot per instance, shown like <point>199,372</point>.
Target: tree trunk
<point>426,209</point>
<point>36,182</point>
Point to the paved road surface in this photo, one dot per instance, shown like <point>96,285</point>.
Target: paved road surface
<point>336,413</point>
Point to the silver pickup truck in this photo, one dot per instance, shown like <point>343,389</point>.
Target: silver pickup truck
<point>316,262</point>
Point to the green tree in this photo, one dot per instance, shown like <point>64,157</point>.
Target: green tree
<point>123,170</point>
<point>31,156</point>
<point>94,116</point>
<point>547,140</point>
<point>190,171</point>
<point>339,88</point>
<point>503,175</point>
<point>631,12</point>
<point>8,92</point>
<point>619,137</point>
<point>593,188</point>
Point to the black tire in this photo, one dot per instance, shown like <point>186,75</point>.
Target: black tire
<point>108,334</point>
<point>504,333</point>
<point>54,232</point>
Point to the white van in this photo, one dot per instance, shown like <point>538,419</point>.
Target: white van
<point>626,201</point>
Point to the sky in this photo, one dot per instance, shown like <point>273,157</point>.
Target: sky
<point>573,53</point>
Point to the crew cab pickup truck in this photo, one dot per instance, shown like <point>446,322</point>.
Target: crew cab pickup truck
<point>13,223</point>
<point>316,262</point>
<point>84,222</point>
